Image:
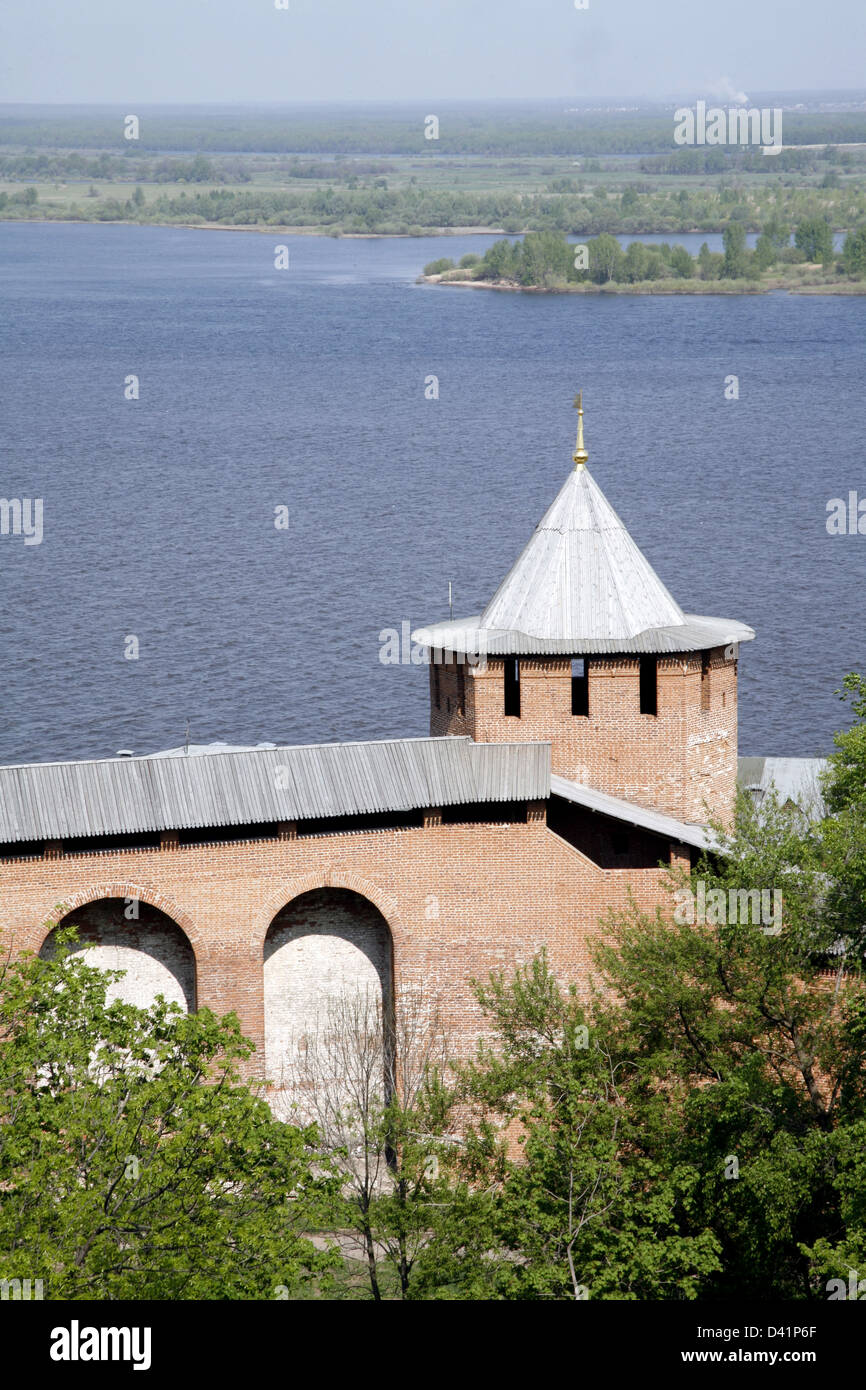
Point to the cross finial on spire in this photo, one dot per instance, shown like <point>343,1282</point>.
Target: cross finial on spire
<point>580,455</point>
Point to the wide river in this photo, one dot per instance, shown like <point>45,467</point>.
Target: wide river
<point>304,388</point>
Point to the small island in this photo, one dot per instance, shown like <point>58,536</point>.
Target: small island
<point>546,263</point>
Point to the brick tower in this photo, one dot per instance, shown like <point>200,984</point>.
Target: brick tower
<point>583,646</point>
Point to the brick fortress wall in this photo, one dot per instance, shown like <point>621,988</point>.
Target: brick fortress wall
<point>459,901</point>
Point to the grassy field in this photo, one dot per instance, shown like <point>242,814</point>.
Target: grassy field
<point>460,174</point>
<point>508,169</point>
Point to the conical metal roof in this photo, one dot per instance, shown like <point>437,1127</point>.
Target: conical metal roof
<point>581,575</point>
<point>581,585</point>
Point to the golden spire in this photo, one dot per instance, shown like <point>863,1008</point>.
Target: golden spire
<point>580,455</point>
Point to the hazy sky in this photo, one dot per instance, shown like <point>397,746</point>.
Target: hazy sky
<point>130,51</point>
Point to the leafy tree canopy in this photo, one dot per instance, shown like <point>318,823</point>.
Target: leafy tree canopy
<point>134,1161</point>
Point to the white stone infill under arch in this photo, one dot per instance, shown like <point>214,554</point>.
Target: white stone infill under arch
<point>151,949</point>
<point>327,949</point>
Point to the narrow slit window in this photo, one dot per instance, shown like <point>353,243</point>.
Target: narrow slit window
<point>461,690</point>
<point>705,681</point>
<point>437,692</point>
<point>580,686</point>
<point>512,687</point>
<point>648,685</point>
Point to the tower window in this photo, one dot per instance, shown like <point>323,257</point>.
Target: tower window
<point>648,685</point>
<point>512,687</point>
<point>437,692</point>
<point>705,680</point>
<point>461,690</point>
<point>580,686</point>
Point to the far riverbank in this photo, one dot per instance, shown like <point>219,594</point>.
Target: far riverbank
<point>784,285</point>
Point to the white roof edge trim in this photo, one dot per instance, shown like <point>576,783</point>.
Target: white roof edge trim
<point>226,751</point>
<point>467,636</point>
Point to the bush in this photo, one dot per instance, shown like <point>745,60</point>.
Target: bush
<point>682,263</point>
<point>439,267</point>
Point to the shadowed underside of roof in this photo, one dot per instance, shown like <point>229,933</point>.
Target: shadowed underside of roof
<point>121,796</point>
<point>681,832</point>
<point>794,779</point>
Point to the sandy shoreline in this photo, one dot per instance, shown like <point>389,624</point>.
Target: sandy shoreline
<point>265,231</point>
<point>671,288</point>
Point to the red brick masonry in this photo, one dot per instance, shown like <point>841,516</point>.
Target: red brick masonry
<point>460,901</point>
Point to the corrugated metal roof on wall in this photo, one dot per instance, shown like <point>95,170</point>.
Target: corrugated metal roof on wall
<point>615,806</point>
<point>793,779</point>
<point>59,801</point>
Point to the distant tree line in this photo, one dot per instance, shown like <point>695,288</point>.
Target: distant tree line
<point>716,159</point>
<point>116,168</point>
<point>506,130</point>
<point>547,260</point>
<point>567,206</point>
<point>72,164</point>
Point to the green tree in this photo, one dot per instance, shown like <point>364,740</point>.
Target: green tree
<point>501,260</point>
<point>547,259</point>
<point>439,267</point>
<point>846,783</point>
<point>765,252</point>
<point>134,1162</point>
<point>583,1211</point>
<point>606,258</point>
<point>656,264</point>
<point>634,263</point>
<point>814,237</point>
<point>682,263</point>
<point>752,1038</point>
<point>734,242</point>
<point>696,1127</point>
<point>200,170</point>
<point>778,232</point>
<point>710,263</point>
<point>854,253</point>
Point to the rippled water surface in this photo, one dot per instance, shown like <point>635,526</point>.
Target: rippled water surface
<point>304,388</point>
